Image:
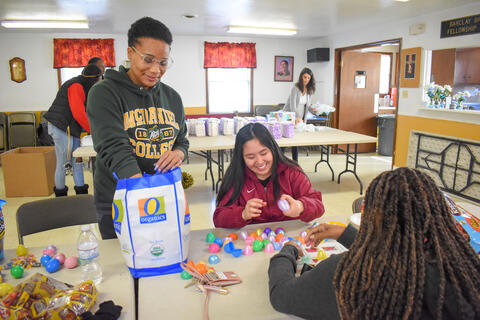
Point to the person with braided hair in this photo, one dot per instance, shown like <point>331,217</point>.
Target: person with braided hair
<point>408,260</point>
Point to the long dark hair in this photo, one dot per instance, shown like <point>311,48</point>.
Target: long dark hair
<point>310,85</point>
<point>235,174</point>
<point>405,225</point>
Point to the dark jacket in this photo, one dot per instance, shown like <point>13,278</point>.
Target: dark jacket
<point>292,181</point>
<point>312,295</point>
<point>60,113</point>
<point>131,128</point>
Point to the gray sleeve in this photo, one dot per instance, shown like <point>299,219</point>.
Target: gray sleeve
<point>308,296</point>
<point>348,236</point>
<point>291,104</point>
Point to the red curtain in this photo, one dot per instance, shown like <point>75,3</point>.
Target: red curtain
<point>230,55</point>
<point>75,53</point>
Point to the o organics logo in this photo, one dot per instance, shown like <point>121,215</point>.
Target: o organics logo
<point>152,210</point>
<point>157,250</point>
<point>117,215</point>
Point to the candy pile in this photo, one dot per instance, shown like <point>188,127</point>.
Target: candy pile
<point>201,267</point>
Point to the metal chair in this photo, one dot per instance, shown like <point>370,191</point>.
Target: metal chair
<point>264,109</point>
<point>53,213</point>
<point>22,129</point>
<point>357,205</point>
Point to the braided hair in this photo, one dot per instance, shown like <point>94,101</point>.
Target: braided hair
<point>406,225</point>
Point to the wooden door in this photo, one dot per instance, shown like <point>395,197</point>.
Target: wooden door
<point>356,105</point>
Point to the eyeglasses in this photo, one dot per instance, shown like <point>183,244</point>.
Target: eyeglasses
<point>164,63</point>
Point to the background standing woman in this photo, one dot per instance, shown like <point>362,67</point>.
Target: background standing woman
<point>67,118</point>
<point>300,96</point>
<point>258,176</point>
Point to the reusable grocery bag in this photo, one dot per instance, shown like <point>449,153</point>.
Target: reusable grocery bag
<point>152,222</point>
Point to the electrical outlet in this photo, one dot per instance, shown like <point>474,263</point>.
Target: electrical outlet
<point>404,94</point>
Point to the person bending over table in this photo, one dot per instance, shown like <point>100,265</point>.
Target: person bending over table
<point>138,123</point>
<point>408,260</point>
<point>258,176</point>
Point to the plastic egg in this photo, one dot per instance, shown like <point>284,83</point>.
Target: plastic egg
<point>321,255</point>
<point>271,238</point>
<point>213,248</point>
<point>267,230</point>
<point>210,237</point>
<point>229,247</point>
<point>211,269</point>
<point>257,245</point>
<point>53,265</point>
<point>44,259</point>
<point>17,271</point>
<point>249,240</point>
<point>277,246</point>
<point>264,236</point>
<point>243,234</point>
<point>272,234</point>
<point>283,205</point>
<point>303,234</point>
<point>21,250</point>
<point>269,248</point>
<point>185,275</point>
<point>5,288</point>
<point>248,251</point>
<point>213,259</point>
<point>279,236</point>
<point>53,248</point>
<point>236,253</point>
<point>259,231</point>
<point>280,229</point>
<point>60,257</point>
<point>201,267</point>
<point>227,239</point>
<point>219,242</point>
<point>48,251</point>
<point>71,262</point>
<point>233,236</point>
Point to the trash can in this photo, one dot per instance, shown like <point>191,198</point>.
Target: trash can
<point>386,131</point>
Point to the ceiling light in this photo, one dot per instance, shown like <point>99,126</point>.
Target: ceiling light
<point>402,0</point>
<point>45,24</point>
<point>260,30</point>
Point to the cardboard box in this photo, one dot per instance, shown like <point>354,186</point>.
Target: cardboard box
<point>29,171</point>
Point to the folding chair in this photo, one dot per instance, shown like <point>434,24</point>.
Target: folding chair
<point>22,129</point>
<point>53,213</point>
<point>357,205</point>
<point>263,110</point>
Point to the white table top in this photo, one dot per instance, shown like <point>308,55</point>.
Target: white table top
<point>326,136</point>
<point>166,295</point>
<point>117,284</point>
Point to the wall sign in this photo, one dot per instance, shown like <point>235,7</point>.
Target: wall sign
<point>460,26</point>
<point>410,67</point>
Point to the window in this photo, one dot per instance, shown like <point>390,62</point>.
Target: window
<point>69,73</point>
<point>385,67</point>
<point>229,90</point>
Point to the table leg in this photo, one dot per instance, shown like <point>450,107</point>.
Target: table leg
<point>325,151</point>
<point>135,286</point>
<point>207,155</point>
<point>295,154</point>
<point>351,160</point>
<point>220,165</point>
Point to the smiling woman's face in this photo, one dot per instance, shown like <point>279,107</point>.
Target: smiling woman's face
<point>258,158</point>
<point>141,73</point>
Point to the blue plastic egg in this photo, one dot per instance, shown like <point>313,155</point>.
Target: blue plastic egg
<point>53,265</point>
<point>213,259</point>
<point>219,242</point>
<point>45,259</point>
<point>237,252</point>
<point>277,245</point>
<point>229,247</point>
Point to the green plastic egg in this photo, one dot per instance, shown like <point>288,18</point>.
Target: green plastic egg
<point>211,237</point>
<point>257,245</point>
<point>17,271</point>
<point>185,275</point>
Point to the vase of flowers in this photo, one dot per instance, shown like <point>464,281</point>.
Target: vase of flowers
<point>460,98</point>
<point>439,95</point>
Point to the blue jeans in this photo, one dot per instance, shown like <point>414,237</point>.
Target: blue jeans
<point>64,152</point>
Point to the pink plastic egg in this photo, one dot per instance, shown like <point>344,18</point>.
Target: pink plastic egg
<point>264,236</point>
<point>60,257</point>
<point>213,248</point>
<point>71,262</point>
<point>248,250</point>
<point>53,247</point>
<point>269,248</point>
<point>48,251</point>
<point>243,235</point>
<point>283,205</point>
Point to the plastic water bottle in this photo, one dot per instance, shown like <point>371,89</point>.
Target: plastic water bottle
<point>88,256</point>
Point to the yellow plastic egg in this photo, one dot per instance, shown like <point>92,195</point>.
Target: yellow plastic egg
<point>321,255</point>
<point>5,288</point>
<point>259,232</point>
<point>21,250</point>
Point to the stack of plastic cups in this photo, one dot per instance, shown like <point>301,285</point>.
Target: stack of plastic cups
<point>288,129</point>
<point>275,129</point>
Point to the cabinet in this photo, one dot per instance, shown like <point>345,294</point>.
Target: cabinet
<point>443,67</point>
<point>467,66</point>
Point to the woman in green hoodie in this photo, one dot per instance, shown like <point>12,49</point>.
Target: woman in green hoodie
<point>137,122</point>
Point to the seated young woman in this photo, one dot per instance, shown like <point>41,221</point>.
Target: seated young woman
<point>258,176</point>
<point>408,261</point>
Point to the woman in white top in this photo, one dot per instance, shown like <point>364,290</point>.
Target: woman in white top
<point>300,95</point>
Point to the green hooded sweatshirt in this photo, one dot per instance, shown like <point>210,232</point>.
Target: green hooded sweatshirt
<point>131,127</point>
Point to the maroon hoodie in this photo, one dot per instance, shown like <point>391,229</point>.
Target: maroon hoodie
<point>292,181</point>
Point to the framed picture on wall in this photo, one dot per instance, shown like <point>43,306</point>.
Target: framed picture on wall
<point>283,68</point>
<point>410,68</point>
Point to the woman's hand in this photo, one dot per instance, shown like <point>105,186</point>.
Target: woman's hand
<point>295,244</point>
<point>253,208</point>
<point>169,160</point>
<point>323,231</point>
<point>296,206</point>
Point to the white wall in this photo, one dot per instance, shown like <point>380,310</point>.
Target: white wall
<point>430,40</point>
<point>187,74</point>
